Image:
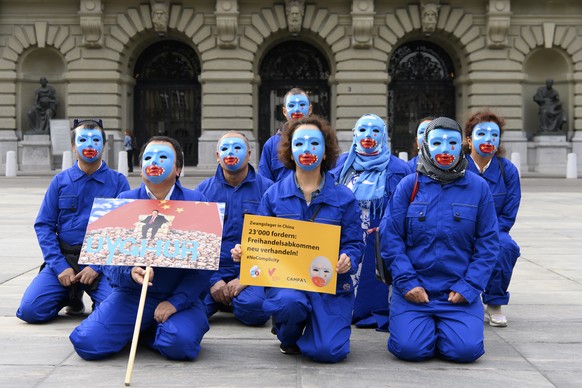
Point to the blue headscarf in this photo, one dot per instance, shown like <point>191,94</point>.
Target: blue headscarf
<point>369,188</point>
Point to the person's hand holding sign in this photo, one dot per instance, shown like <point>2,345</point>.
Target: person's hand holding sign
<point>236,253</point>
<point>138,273</point>
<point>344,264</point>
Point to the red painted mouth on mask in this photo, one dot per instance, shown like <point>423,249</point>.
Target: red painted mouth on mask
<point>90,153</point>
<point>319,282</point>
<point>296,115</point>
<point>445,159</point>
<point>231,160</point>
<point>487,148</point>
<point>368,143</point>
<point>307,159</point>
<point>154,170</point>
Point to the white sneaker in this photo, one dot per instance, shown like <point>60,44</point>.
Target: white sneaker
<point>495,316</point>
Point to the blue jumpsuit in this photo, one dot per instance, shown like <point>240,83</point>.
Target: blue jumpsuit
<point>269,164</point>
<point>110,327</point>
<point>412,163</point>
<point>445,240</point>
<point>243,199</point>
<point>371,307</point>
<point>326,318</point>
<point>63,218</point>
<point>506,190</point>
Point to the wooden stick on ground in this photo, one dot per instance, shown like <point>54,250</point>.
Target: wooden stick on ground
<point>144,290</point>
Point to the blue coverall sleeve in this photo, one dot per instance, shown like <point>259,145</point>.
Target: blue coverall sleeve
<point>393,237</point>
<point>193,285</point>
<point>265,162</point>
<point>486,249</point>
<point>45,227</point>
<point>508,213</point>
<point>120,276</point>
<point>351,240</point>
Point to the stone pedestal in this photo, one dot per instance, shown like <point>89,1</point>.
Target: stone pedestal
<point>516,141</point>
<point>35,151</point>
<point>548,154</point>
<point>577,149</point>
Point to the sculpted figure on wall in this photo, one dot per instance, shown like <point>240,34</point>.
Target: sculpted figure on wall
<point>551,114</point>
<point>160,18</point>
<point>44,109</point>
<point>430,15</point>
<point>295,11</point>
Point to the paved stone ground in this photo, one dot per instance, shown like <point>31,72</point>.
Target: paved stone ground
<point>541,347</point>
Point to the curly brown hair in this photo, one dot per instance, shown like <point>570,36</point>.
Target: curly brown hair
<point>480,117</point>
<point>332,149</point>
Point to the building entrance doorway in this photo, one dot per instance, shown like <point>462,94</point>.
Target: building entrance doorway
<point>421,84</point>
<point>288,65</point>
<point>167,96</point>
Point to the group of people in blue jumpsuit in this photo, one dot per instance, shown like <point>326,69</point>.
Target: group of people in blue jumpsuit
<point>443,221</point>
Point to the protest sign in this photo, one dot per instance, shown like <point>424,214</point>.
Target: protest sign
<point>279,252</point>
<point>159,233</point>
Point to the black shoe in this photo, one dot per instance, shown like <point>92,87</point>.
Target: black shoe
<point>75,307</point>
<point>273,327</point>
<point>291,350</point>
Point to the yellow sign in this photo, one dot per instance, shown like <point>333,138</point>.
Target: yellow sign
<point>278,252</point>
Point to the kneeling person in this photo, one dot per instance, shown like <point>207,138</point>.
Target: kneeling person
<point>174,318</point>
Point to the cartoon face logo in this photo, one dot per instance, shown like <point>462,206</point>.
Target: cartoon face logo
<point>233,152</point>
<point>444,146</point>
<point>369,134</point>
<point>486,138</point>
<point>297,106</point>
<point>320,271</point>
<point>255,271</point>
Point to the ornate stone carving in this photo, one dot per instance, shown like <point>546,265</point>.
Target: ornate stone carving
<point>362,23</point>
<point>498,22</point>
<point>91,22</point>
<point>429,17</point>
<point>160,16</point>
<point>227,22</point>
<point>295,10</point>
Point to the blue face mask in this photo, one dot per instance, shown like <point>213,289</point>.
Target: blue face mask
<point>420,132</point>
<point>444,146</point>
<point>89,144</point>
<point>297,106</point>
<point>369,133</point>
<point>486,138</point>
<point>232,151</point>
<point>308,147</point>
<point>158,162</point>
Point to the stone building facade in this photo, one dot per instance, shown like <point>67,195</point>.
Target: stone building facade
<point>195,68</point>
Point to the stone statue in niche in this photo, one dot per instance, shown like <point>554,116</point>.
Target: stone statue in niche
<point>551,114</point>
<point>430,15</point>
<point>160,18</point>
<point>295,12</point>
<point>44,109</point>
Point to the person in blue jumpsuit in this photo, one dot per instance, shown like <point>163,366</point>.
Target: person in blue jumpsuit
<point>296,105</point>
<point>174,317</point>
<point>483,132</point>
<point>420,129</point>
<point>372,173</point>
<point>439,238</point>
<point>60,228</point>
<point>240,188</point>
<point>316,325</point>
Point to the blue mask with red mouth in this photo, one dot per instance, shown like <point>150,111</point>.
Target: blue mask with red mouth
<point>308,147</point>
<point>157,162</point>
<point>232,151</point>
<point>370,134</point>
<point>485,138</point>
<point>297,106</point>
<point>89,144</point>
<point>444,146</point>
<point>420,132</point>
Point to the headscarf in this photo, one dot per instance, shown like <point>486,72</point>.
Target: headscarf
<point>428,167</point>
<point>370,186</point>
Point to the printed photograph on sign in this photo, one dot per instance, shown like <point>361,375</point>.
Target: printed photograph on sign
<point>166,233</point>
